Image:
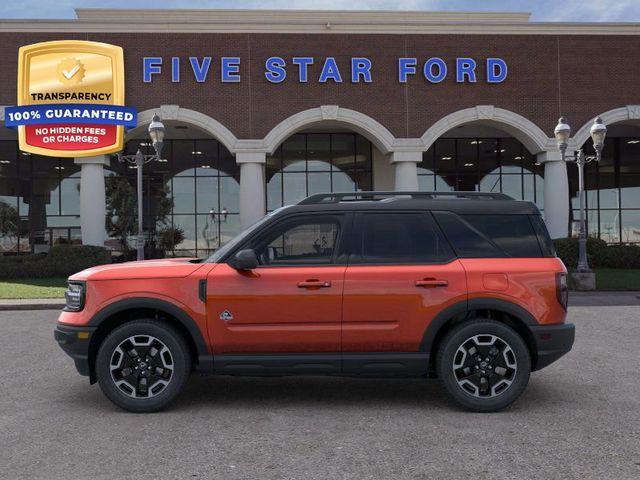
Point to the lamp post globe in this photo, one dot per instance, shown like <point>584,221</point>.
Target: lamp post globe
<point>156,133</point>
<point>562,133</point>
<point>598,133</point>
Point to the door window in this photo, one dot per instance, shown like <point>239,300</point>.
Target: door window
<point>411,238</point>
<point>307,242</point>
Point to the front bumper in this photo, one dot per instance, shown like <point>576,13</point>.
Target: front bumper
<point>75,343</point>
<point>552,342</point>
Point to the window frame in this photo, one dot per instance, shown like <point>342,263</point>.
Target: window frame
<point>261,238</point>
<point>356,240</point>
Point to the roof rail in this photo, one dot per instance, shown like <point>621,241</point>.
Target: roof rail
<point>360,196</point>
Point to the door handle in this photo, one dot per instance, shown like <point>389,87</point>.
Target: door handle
<point>314,284</point>
<point>431,283</point>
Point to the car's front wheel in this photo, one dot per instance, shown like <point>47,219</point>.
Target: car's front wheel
<point>143,365</point>
<point>484,365</point>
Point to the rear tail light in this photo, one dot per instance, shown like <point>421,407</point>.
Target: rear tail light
<point>562,289</point>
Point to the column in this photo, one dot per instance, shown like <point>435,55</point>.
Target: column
<point>406,166</point>
<point>93,209</point>
<point>556,194</point>
<point>252,186</point>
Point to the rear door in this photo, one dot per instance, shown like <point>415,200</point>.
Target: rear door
<point>401,273</point>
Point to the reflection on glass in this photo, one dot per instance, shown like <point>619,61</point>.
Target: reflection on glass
<point>631,226</point>
<point>309,163</point>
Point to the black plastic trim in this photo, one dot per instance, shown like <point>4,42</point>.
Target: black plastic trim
<point>204,357</point>
<point>552,342</point>
<point>202,290</point>
<point>460,309</point>
<point>375,364</point>
<point>76,348</point>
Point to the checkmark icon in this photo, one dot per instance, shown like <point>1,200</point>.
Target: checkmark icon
<point>71,73</point>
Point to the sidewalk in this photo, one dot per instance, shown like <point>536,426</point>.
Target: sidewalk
<point>576,299</point>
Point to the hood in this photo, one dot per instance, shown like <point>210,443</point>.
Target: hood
<point>165,268</point>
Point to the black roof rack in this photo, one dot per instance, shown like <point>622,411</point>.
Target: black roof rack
<point>360,196</point>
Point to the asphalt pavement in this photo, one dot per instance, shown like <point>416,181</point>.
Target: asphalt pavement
<point>579,418</point>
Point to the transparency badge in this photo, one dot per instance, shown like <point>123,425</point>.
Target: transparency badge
<point>70,99</point>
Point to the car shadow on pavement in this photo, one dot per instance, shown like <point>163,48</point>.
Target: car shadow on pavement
<point>302,392</point>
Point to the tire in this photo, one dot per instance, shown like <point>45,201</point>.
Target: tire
<point>143,365</point>
<point>461,369</point>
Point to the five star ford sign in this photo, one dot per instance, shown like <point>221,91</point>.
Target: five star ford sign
<point>70,99</point>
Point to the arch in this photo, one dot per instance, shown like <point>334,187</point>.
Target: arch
<point>373,130</point>
<point>197,119</point>
<point>629,112</point>
<point>527,132</point>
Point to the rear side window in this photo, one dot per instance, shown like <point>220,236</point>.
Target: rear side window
<point>468,241</point>
<point>546,244</point>
<point>395,237</point>
<point>486,236</point>
<point>514,234</point>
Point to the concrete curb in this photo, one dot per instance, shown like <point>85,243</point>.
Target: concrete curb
<point>31,304</point>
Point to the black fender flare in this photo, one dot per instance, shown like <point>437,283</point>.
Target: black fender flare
<point>205,360</point>
<point>463,307</point>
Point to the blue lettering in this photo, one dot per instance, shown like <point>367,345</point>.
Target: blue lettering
<point>360,67</point>
<point>428,70</point>
<point>151,66</point>
<point>175,69</point>
<point>230,70</point>
<point>330,71</point>
<point>465,67</point>
<point>496,70</point>
<point>275,69</point>
<point>406,66</point>
<point>200,71</point>
<point>303,64</point>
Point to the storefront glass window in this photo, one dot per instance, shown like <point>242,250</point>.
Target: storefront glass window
<point>612,191</point>
<point>308,163</point>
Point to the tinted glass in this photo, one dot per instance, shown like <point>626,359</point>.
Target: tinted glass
<point>546,244</point>
<point>402,238</point>
<point>514,234</point>
<point>466,240</point>
<point>309,242</point>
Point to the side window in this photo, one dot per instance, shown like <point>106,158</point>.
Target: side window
<point>512,233</point>
<point>401,238</point>
<point>467,241</point>
<point>304,242</point>
<point>546,244</point>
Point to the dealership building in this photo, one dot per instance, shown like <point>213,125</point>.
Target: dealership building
<point>263,108</point>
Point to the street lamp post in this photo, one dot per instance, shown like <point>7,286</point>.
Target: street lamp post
<point>562,133</point>
<point>156,133</point>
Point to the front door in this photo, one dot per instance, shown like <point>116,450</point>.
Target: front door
<point>291,303</point>
<point>402,272</point>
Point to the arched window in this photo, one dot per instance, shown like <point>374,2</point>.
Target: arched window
<point>308,163</point>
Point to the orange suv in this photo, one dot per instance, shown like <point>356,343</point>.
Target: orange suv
<point>460,285</point>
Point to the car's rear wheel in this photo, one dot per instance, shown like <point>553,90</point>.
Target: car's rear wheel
<point>143,365</point>
<point>484,365</point>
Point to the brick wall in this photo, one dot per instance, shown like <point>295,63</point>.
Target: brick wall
<point>578,76</point>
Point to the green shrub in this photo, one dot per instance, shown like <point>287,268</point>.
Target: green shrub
<point>61,261</point>
<point>599,254</point>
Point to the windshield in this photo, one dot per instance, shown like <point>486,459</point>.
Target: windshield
<point>238,239</point>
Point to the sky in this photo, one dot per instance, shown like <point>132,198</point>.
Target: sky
<point>542,10</point>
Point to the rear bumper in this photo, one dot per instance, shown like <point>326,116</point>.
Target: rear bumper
<point>75,343</point>
<point>552,342</point>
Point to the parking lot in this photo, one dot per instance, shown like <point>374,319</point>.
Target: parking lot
<point>579,418</point>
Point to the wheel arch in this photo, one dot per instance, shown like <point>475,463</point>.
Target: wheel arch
<point>503,311</point>
<point>123,311</point>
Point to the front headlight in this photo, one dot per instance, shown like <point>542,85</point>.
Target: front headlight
<point>74,296</point>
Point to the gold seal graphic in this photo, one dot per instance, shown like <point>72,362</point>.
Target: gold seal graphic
<point>70,71</point>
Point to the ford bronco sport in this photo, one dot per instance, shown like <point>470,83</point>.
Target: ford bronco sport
<point>463,286</point>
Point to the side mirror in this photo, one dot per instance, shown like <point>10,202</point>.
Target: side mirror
<point>244,260</point>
